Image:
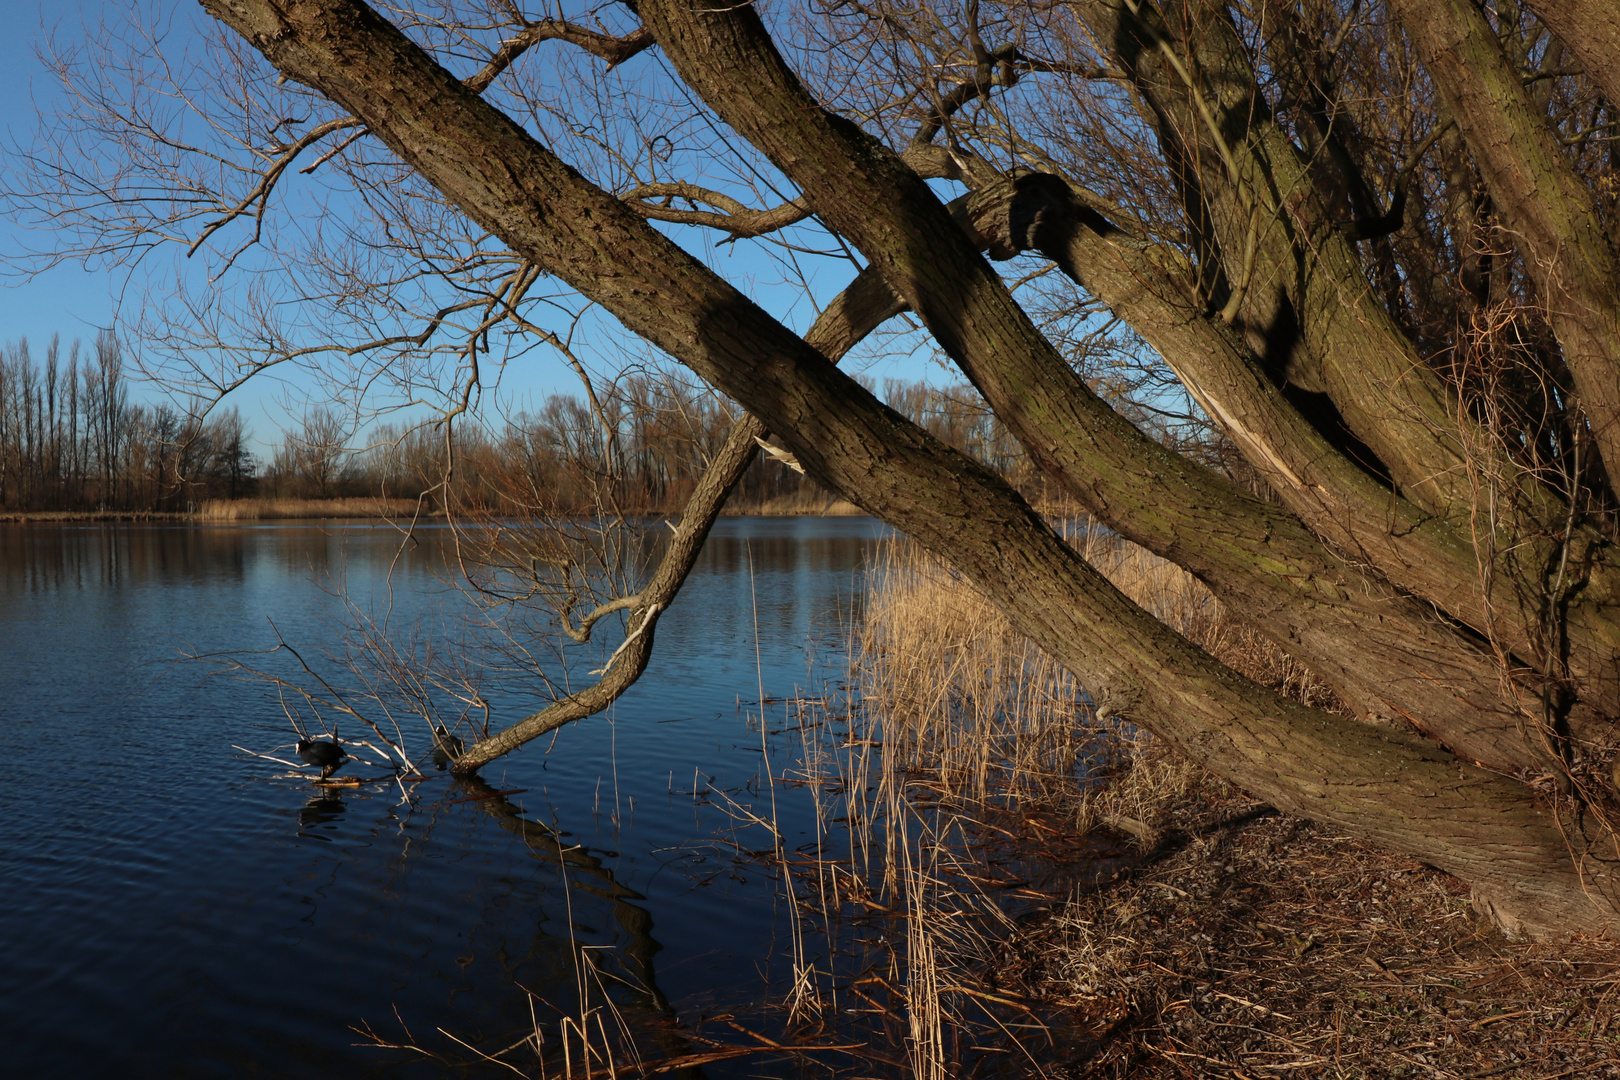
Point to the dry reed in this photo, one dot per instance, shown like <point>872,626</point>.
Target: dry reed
<point>794,504</point>
<point>990,817</point>
<point>955,726</point>
<point>958,691</point>
<point>281,509</point>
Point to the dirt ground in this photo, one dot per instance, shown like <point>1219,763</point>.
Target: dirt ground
<point>1248,944</point>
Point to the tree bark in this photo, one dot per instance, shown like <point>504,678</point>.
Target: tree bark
<point>1150,286</point>
<point>1389,788</point>
<point>1591,30</point>
<point>1302,300</point>
<point>1547,210</point>
<point>1262,561</point>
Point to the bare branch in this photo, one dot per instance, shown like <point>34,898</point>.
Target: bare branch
<point>615,50</point>
<point>738,220</point>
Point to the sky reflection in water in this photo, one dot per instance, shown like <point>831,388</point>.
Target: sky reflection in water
<point>170,908</point>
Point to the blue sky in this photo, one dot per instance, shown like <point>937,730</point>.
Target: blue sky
<point>67,300</point>
<point>73,302</point>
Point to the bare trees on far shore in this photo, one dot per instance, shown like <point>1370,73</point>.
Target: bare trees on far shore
<point>640,448</point>
<point>71,439</point>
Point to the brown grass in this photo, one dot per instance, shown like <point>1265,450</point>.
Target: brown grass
<point>958,691</point>
<point>1030,885</point>
<point>272,509</point>
<point>802,503</point>
<point>228,510</point>
<point>1245,941</point>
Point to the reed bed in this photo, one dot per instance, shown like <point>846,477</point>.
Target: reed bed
<point>1004,884</point>
<point>948,686</point>
<point>280,509</point>
<point>1009,885</point>
<point>794,504</point>
<point>953,732</point>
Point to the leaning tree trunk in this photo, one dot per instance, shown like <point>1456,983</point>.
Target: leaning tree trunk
<point>1397,633</point>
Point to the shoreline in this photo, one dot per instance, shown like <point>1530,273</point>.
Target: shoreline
<point>330,510</point>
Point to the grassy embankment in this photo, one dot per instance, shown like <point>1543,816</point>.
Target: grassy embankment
<point>1013,866</point>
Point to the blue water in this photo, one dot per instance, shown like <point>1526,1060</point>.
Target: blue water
<point>172,907</point>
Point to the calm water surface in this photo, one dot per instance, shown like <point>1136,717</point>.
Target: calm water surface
<point>170,907</point>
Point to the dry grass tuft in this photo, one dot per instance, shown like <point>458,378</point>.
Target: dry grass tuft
<point>803,502</point>
<point>951,688</point>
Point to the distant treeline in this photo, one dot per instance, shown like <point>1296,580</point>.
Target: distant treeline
<point>638,447</point>
<point>71,440</point>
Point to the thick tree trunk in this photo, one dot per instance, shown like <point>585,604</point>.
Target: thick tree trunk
<point>1547,210</point>
<point>1292,282</point>
<point>1394,789</point>
<point>1149,286</point>
<point>1591,30</point>
<point>1262,561</point>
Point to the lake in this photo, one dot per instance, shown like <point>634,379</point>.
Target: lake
<point>173,907</point>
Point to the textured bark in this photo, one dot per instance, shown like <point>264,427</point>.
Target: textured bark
<point>1591,30</point>
<point>1352,629</point>
<point>1152,287</point>
<point>1548,211</point>
<point>1303,301</point>
<point>1390,788</point>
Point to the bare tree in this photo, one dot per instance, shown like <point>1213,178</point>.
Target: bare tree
<point>317,456</point>
<point>1369,245</point>
<point>70,439</point>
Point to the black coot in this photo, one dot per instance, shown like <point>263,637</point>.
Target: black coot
<point>327,755</point>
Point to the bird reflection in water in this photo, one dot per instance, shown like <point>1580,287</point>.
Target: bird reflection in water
<point>324,808</point>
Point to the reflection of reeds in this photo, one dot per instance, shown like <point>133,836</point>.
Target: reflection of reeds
<point>269,509</point>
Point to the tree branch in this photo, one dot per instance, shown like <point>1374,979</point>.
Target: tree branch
<point>1548,211</point>
<point>1133,484</point>
<point>1476,825</point>
<point>615,50</point>
<point>738,220</point>
<point>862,307</point>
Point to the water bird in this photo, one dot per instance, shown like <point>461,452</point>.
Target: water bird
<point>327,755</point>
<point>446,747</point>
